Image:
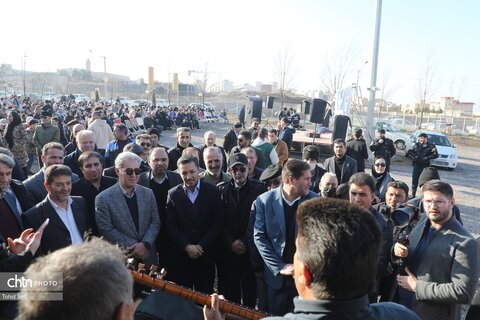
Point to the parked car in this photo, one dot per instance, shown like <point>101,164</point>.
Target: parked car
<point>401,123</point>
<point>447,152</point>
<point>399,139</point>
<point>162,103</point>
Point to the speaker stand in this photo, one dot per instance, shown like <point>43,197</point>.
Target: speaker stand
<point>267,120</point>
<point>314,133</point>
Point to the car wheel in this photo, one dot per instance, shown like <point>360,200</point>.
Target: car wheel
<point>450,169</point>
<point>400,144</point>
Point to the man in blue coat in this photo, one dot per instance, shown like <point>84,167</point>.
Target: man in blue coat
<point>275,231</point>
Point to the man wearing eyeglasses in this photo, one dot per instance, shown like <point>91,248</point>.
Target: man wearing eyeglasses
<point>126,213</point>
<point>442,259</point>
<point>236,279</point>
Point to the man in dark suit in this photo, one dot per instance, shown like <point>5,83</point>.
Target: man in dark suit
<point>230,139</point>
<point>13,200</point>
<point>85,142</point>
<point>342,165</point>
<point>275,231</point>
<point>195,216</point>
<point>160,180</point>
<point>92,183</point>
<point>52,153</point>
<point>126,213</point>
<point>68,215</point>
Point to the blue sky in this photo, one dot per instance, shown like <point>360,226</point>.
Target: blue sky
<point>240,40</point>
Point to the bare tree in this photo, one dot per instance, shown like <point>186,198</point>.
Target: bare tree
<point>425,86</point>
<point>285,73</point>
<point>167,86</point>
<point>337,68</point>
<point>386,90</point>
<point>201,80</point>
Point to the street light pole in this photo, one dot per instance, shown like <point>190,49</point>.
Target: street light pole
<point>373,80</point>
<point>105,74</point>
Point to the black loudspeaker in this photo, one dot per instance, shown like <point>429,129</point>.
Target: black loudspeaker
<point>254,110</point>
<point>270,101</point>
<point>318,111</point>
<point>306,107</point>
<point>340,126</point>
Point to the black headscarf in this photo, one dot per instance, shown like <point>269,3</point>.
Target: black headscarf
<point>11,126</point>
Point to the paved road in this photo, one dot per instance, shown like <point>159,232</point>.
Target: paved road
<point>465,179</point>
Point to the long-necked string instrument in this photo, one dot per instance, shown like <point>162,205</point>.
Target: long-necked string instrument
<point>155,280</point>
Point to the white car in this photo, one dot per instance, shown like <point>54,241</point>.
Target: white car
<point>447,152</point>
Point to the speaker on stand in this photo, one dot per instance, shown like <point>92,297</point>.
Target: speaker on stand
<point>254,109</point>
<point>317,114</point>
<point>269,104</point>
<point>306,110</point>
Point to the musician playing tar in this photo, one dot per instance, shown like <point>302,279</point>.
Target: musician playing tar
<point>334,265</point>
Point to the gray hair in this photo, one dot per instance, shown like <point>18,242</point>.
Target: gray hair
<point>207,133</point>
<point>328,175</point>
<point>83,285</point>
<point>82,133</point>
<point>6,160</point>
<point>125,156</point>
<point>211,149</point>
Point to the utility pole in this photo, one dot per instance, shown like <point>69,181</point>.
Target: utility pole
<point>373,79</point>
<point>23,74</point>
<point>105,74</point>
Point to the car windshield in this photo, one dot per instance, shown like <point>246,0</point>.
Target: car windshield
<point>439,140</point>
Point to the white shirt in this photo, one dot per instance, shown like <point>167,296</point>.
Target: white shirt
<point>68,220</point>
<point>192,195</point>
<point>289,203</point>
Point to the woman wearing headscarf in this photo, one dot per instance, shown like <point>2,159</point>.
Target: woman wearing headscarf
<point>382,177</point>
<point>16,139</point>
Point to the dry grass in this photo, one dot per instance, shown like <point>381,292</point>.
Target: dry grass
<point>465,141</point>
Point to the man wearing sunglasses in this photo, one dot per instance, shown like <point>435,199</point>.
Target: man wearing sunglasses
<point>236,279</point>
<point>127,213</point>
<point>145,142</point>
<point>442,259</point>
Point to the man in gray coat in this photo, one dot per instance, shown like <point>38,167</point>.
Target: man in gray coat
<point>442,259</point>
<point>126,213</point>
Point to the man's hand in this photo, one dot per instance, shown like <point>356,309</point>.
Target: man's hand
<point>138,250</point>
<point>193,251</point>
<point>213,312</point>
<point>19,245</point>
<point>287,270</point>
<point>408,282</point>
<point>238,247</point>
<point>400,250</point>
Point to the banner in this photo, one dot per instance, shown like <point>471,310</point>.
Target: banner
<point>343,101</point>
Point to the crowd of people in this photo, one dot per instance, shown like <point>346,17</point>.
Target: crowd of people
<point>290,236</point>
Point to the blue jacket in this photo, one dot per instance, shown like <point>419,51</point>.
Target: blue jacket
<point>287,136</point>
<point>269,233</point>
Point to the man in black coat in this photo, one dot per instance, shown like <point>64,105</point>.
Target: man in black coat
<point>92,183</point>
<point>160,180</point>
<point>236,278</point>
<point>230,139</point>
<point>357,149</point>
<point>68,215</point>
<point>195,218</point>
<point>184,139</point>
<point>383,146</point>
<point>85,142</point>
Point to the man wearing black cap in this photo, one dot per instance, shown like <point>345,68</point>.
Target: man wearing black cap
<point>421,154</point>
<point>45,132</point>
<point>383,146</point>
<point>236,277</point>
<point>230,139</point>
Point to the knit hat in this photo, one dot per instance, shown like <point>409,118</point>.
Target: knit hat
<point>428,173</point>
